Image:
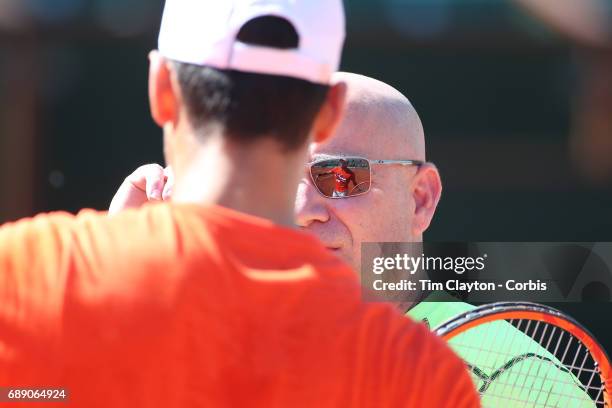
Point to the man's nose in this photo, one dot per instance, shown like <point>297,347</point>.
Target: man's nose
<point>310,206</point>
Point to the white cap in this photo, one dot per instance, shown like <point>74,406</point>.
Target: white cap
<point>203,32</point>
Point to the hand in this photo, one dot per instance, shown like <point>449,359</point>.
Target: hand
<point>150,182</point>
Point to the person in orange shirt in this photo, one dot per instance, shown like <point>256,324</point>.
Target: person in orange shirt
<point>216,300</point>
<point>343,176</point>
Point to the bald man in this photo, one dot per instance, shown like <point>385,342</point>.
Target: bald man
<point>382,126</point>
<point>379,124</point>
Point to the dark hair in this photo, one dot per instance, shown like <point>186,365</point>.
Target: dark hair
<point>252,106</point>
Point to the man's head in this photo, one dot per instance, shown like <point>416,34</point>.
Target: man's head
<point>250,76</point>
<point>343,163</point>
<point>379,124</point>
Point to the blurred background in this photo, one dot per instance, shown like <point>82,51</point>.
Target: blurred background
<point>515,96</point>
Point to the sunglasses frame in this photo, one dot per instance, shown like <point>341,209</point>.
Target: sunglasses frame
<point>417,163</point>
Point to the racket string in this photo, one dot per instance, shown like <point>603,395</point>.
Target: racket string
<point>541,375</point>
<point>490,397</point>
<point>499,353</point>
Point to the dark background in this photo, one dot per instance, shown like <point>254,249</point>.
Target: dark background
<point>516,104</point>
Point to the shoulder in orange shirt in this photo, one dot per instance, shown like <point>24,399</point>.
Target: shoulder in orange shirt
<point>180,306</point>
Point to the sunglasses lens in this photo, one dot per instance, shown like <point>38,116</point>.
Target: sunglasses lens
<point>337,178</point>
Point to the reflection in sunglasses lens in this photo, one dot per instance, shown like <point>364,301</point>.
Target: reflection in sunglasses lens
<point>339,178</point>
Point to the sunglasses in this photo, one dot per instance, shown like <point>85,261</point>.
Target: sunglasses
<point>345,177</point>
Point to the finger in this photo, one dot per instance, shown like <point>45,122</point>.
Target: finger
<point>167,193</point>
<point>149,179</point>
<point>155,185</point>
<point>137,188</point>
<point>143,175</point>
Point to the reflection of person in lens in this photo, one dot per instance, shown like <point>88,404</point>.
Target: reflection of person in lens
<point>343,177</point>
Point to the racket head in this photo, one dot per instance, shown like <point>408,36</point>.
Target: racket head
<point>527,354</point>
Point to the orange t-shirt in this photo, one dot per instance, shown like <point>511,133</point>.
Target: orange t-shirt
<point>184,306</point>
<point>342,179</point>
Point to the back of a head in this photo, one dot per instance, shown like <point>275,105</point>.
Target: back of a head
<point>258,69</point>
<point>261,69</point>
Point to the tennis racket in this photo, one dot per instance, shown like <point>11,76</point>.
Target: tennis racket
<point>529,355</point>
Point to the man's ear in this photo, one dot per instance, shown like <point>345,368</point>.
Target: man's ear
<point>331,113</point>
<point>163,91</point>
<point>427,189</point>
